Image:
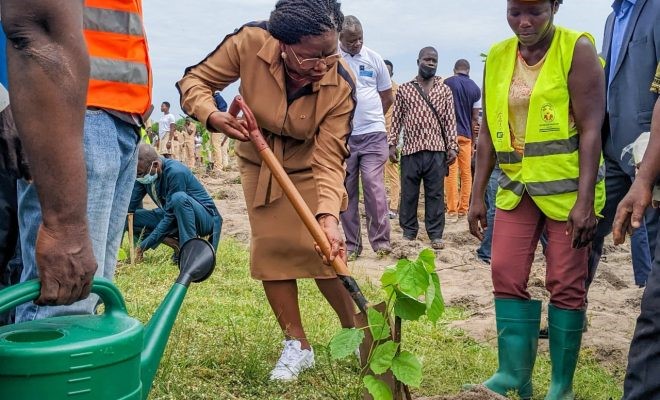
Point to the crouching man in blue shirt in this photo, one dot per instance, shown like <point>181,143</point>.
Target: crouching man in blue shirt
<point>184,210</point>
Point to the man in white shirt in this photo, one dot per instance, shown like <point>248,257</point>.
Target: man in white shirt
<point>166,129</point>
<point>367,143</point>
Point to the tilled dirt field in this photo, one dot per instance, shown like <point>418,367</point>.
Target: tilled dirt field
<point>614,299</point>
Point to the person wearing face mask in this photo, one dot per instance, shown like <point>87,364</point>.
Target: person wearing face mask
<point>544,105</point>
<point>184,209</point>
<point>302,95</point>
<point>424,111</point>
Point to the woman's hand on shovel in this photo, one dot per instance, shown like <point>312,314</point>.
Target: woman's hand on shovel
<point>229,125</point>
<point>330,226</point>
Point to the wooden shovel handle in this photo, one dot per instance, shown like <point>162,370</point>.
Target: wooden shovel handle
<point>288,187</point>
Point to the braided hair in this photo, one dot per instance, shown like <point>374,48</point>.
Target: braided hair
<point>293,19</point>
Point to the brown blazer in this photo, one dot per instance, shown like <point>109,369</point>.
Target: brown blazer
<point>308,135</point>
<point>311,132</point>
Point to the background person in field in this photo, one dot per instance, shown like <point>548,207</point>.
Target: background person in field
<point>367,143</point>
<point>544,130</point>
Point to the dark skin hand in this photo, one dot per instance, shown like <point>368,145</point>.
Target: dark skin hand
<point>394,155</point>
<point>330,226</point>
<point>12,157</point>
<point>630,212</point>
<point>47,54</point>
<point>484,164</point>
<point>229,125</point>
<point>586,85</point>
<point>451,156</point>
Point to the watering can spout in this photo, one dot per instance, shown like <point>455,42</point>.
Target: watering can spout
<point>196,263</point>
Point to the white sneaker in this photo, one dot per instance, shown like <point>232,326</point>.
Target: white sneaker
<point>292,361</point>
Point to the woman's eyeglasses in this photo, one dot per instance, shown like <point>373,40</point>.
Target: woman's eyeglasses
<point>311,63</point>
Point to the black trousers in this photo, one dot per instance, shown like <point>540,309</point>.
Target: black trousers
<point>431,168</point>
<point>643,374</point>
<point>617,184</point>
<point>10,261</point>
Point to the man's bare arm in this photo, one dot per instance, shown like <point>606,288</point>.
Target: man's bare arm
<point>48,78</point>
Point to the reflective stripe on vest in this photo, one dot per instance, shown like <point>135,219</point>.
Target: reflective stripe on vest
<point>548,170</point>
<point>541,149</point>
<point>104,20</point>
<point>106,69</point>
<point>545,188</point>
<point>120,76</point>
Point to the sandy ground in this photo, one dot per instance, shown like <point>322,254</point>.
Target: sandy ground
<point>614,298</point>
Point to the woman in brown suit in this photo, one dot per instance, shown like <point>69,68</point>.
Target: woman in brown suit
<point>303,98</point>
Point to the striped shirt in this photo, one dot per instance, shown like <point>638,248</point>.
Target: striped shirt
<point>421,129</point>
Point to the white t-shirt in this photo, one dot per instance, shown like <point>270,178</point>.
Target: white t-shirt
<point>372,77</point>
<point>164,124</point>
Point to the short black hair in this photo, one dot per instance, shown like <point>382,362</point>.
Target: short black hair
<point>167,103</point>
<point>462,65</point>
<point>388,62</point>
<point>425,49</point>
<point>291,20</point>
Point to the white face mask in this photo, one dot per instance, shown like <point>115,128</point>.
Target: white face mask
<point>148,179</point>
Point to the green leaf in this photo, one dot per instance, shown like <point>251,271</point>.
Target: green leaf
<point>427,257</point>
<point>408,308</point>
<point>389,277</point>
<point>407,368</point>
<point>377,388</point>
<point>121,255</point>
<point>345,343</point>
<point>435,304</point>
<point>430,294</point>
<point>413,278</point>
<point>382,357</point>
<point>378,325</point>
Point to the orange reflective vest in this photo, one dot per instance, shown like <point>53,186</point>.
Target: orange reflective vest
<point>120,75</point>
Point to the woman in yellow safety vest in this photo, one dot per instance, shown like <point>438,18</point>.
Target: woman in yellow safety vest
<point>544,106</point>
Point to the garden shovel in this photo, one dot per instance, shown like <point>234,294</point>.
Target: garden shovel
<point>340,267</point>
<point>257,138</point>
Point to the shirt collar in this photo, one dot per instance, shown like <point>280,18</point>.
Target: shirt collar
<point>619,5</point>
<point>436,80</point>
<point>347,55</point>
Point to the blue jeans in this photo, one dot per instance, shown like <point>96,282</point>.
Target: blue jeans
<point>484,251</point>
<point>111,158</point>
<point>192,219</point>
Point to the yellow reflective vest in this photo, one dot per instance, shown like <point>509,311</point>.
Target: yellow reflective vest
<point>549,169</point>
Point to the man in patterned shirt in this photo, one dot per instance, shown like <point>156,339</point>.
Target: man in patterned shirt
<point>424,110</point>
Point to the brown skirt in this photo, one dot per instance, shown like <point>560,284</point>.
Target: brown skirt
<point>281,248</point>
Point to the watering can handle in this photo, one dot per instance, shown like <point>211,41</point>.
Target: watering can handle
<point>28,291</point>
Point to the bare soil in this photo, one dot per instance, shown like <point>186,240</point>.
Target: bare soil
<point>478,393</point>
<point>614,299</point>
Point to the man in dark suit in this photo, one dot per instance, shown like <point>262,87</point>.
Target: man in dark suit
<point>631,48</point>
<point>644,357</point>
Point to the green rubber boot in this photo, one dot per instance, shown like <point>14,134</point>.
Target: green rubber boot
<point>565,334</point>
<point>518,324</point>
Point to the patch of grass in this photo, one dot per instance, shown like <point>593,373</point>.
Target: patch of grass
<point>226,340</point>
<point>221,194</point>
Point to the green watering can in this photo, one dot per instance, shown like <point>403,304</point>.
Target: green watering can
<point>95,357</point>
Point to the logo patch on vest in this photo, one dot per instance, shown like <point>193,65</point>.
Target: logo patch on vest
<point>548,113</point>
